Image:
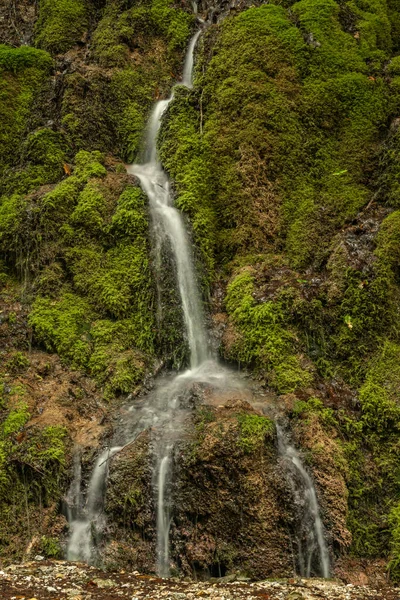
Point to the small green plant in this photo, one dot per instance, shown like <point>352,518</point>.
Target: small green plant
<point>17,363</point>
<point>50,547</point>
<point>12,318</point>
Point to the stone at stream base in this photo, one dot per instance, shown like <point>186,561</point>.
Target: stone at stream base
<point>230,502</point>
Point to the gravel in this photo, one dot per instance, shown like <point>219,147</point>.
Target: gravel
<point>59,580</point>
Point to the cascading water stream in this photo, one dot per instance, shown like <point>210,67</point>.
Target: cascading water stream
<point>312,549</point>
<point>169,225</point>
<point>170,228</point>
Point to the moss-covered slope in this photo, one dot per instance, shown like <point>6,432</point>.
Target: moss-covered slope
<point>75,251</point>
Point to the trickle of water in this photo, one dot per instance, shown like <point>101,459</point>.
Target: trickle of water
<point>187,78</point>
<point>312,549</point>
<point>163,513</point>
<point>87,523</point>
<point>73,499</point>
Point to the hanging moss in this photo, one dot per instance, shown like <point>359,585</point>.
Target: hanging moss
<point>23,73</point>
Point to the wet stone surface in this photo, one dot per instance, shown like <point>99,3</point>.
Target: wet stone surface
<point>55,580</point>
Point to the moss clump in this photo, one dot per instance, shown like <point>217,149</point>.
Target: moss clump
<point>63,326</point>
<point>61,24</point>
<point>23,75</point>
<point>16,60</point>
<point>253,429</point>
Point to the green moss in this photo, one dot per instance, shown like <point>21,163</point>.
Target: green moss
<point>15,420</point>
<point>264,341</point>
<point>371,447</point>
<point>388,241</point>
<point>32,476</point>
<point>390,172</point>
<point>394,522</point>
<point>60,25</point>
<point>315,406</point>
<point>108,109</point>
<point>23,75</point>
<point>86,240</point>
<point>253,431</point>
<point>43,154</point>
<point>50,547</point>
<point>63,326</point>
<point>393,67</point>
<point>118,32</point>
<point>284,121</point>
<point>17,363</point>
<point>19,59</point>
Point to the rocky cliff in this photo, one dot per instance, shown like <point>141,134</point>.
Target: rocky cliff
<point>284,157</point>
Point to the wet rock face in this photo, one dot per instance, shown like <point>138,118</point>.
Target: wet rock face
<point>329,474</point>
<point>131,534</point>
<point>227,498</point>
<point>228,513</point>
<point>17,19</point>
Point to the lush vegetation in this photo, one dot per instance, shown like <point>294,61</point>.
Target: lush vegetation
<point>61,24</point>
<point>285,157</point>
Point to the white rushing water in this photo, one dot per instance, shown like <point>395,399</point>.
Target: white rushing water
<point>312,549</point>
<point>161,409</point>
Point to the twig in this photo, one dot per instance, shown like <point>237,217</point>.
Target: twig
<point>117,452</point>
<point>201,112</point>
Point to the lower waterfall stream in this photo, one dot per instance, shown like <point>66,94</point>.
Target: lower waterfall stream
<point>162,409</point>
<point>312,550</point>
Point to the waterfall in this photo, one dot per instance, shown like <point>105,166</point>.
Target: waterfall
<point>169,226</point>
<point>163,409</point>
<point>312,549</point>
